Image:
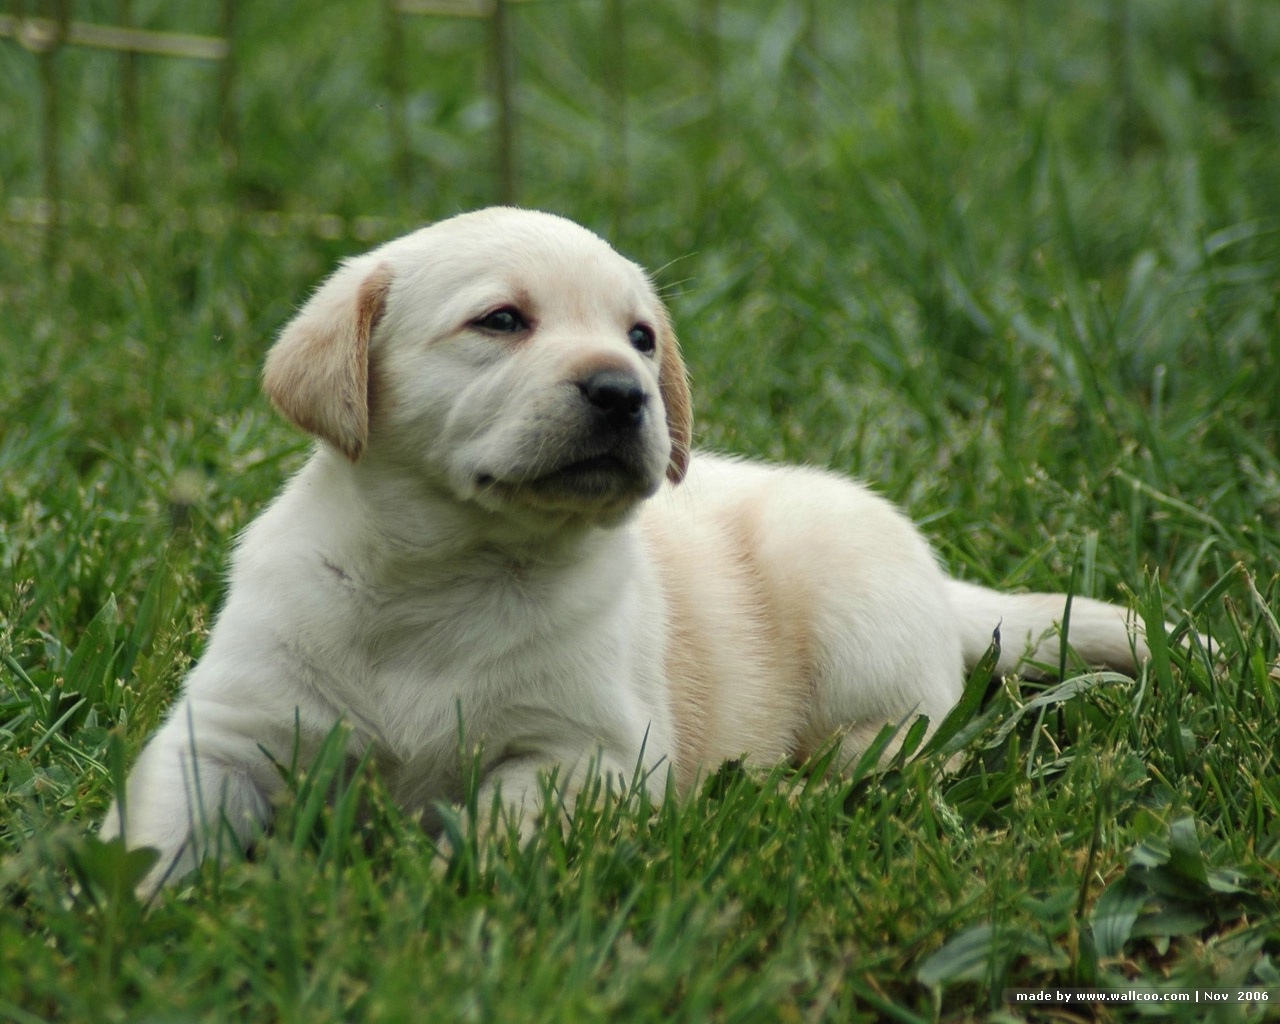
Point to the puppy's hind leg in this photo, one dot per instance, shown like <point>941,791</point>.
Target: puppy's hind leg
<point>858,590</point>
<point>885,662</point>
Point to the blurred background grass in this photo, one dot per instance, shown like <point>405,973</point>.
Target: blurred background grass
<point>1008,258</point>
<point>1017,263</point>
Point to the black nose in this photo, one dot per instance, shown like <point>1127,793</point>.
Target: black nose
<point>619,397</point>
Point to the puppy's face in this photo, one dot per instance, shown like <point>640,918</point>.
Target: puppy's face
<point>511,356</point>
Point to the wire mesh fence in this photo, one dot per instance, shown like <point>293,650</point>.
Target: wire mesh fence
<point>47,33</point>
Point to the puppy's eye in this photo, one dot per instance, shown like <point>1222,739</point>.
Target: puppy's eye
<point>506,320</point>
<point>642,339</point>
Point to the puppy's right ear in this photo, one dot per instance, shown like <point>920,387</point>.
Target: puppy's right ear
<point>317,372</point>
<point>673,381</point>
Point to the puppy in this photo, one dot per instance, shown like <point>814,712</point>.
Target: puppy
<point>501,533</point>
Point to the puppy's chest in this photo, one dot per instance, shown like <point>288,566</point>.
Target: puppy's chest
<point>479,645</point>
<point>462,623</point>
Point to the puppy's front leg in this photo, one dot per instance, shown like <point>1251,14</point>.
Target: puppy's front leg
<point>189,793</point>
<point>521,784</point>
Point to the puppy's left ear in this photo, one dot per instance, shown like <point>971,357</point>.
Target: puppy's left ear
<point>673,380</point>
<point>317,373</point>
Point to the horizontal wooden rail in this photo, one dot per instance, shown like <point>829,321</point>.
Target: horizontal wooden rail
<point>38,212</point>
<point>452,8</point>
<point>40,35</point>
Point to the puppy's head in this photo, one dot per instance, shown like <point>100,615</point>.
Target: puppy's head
<point>511,356</point>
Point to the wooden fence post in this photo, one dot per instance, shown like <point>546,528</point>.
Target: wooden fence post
<point>46,48</point>
<point>228,122</point>
<point>127,147</point>
<point>1120,54</point>
<point>502,56</point>
<point>615,77</point>
<point>397,120</point>
<point>708,28</point>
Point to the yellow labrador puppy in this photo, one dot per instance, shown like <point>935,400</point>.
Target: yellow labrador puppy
<point>503,520</point>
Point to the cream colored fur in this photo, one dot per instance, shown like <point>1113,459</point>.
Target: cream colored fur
<point>502,517</point>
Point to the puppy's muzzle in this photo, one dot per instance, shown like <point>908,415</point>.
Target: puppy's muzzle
<point>602,458</point>
<point>619,398</point>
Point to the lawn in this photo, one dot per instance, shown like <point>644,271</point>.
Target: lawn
<point>1016,264</point>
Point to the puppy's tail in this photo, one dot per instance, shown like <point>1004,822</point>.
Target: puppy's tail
<point>1032,626</point>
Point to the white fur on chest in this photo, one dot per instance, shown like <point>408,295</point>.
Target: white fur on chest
<point>494,651</point>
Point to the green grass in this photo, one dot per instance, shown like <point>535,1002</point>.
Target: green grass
<point>1016,264</point>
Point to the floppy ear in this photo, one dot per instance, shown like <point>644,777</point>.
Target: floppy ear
<point>317,372</point>
<point>673,381</point>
